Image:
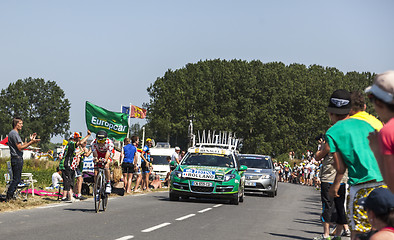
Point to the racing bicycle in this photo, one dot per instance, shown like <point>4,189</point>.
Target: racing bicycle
<point>100,197</point>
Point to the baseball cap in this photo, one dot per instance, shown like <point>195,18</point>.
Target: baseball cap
<point>340,102</point>
<point>177,149</point>
<point>380,201</point>
<point>383,87</point>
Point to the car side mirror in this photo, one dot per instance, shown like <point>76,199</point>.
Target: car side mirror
<point>243,168</point>
<point>173,165</point>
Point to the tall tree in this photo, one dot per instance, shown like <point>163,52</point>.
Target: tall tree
<point>275,108</point>
<point>41,104</point>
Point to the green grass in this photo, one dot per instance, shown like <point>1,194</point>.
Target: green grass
<point>42,171</point>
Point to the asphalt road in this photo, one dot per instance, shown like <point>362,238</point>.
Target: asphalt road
<point>292,214</point>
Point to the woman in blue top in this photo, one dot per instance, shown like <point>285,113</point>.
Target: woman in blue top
<point>128,160</point>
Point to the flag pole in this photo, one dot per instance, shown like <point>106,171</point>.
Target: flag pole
<point>128,117</point>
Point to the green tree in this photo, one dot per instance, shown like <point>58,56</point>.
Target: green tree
<point>275,108</point>
<point>42,106</point>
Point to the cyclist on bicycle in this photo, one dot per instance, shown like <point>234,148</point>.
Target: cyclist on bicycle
<point>102,148</point>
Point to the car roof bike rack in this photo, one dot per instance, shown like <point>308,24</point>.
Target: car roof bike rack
<point>223,140</point>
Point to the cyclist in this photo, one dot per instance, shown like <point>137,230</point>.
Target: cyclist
<point>102,148</point>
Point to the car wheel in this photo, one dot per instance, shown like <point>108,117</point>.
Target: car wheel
<point>271,194</point>
<point>173,197</point>
<point>235,199</point>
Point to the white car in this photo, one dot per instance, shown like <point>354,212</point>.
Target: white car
<point>159,153</point>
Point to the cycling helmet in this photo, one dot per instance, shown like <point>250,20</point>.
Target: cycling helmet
<point>101,135</point>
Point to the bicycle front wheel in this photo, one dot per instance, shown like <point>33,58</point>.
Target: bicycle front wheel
<point>98,187</point>
<point>105,201</point>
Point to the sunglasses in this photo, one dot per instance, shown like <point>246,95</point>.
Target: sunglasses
<point>101,141</point>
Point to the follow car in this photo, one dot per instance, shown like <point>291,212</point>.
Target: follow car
<point>210,169</point>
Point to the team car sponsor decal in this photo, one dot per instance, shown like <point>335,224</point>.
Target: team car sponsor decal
<point>205,172</point>
<point>200,174</point>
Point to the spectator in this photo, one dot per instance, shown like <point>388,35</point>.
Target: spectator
<point>16,147</point>
<point>128,160</point>
<point>380,209</point>
<point>330,204</point>
<point>70,159</point>
<point>167,179</point>
<point>348,143</point>
<point>382,143</point>
<point>175,156</point>
<point>358,110</point>
<point>183,153</point>
<point>56,178</point>
<point>83,152</point>
<point>145,164</point>
<point>156,183</point>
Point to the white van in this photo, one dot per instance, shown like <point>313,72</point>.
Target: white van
<point>159,154</point>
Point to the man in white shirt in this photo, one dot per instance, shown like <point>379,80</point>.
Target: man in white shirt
<point>175,156</point>
<point>56,178</point>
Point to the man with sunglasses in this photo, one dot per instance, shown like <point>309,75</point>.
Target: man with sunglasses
<point>102,148</point>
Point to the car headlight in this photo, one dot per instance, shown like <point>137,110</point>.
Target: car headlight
<point>265,176</point>
<point>228,177</point>
<point>178,173</point>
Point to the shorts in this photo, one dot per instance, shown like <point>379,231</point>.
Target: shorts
<point>78,173</point>
<point>357,216</point>
<point>127,167</point>
<point>145,167</point>
<point>68,176</point>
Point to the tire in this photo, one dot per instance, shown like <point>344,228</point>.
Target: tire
<point>97,192</point>
<point>105,201</point>
<point>271,194</point>
<point>235,200</point>
<point>173,197</point>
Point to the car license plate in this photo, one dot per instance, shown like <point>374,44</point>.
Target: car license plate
<point>250,184</point>
<point>202,184</point>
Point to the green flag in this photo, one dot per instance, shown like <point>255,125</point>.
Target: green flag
<point>114,123</point>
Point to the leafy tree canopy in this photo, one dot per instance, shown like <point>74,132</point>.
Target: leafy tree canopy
<point>275,108</point>
<point>42,106</point>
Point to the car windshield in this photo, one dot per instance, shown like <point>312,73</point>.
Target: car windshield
<point>161,160</point>
<point>212,160</point>
<point>256,162</point>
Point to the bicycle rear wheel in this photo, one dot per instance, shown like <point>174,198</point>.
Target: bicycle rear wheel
<point>97,192</point>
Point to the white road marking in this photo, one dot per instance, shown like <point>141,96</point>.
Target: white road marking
<point>54,205</point>
<point>205,210</point>
<point>155,227</point>
<point>186,217</point>
<point>125,237</point>
<point>219,205</point>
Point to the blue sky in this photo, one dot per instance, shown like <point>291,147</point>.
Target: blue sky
<point>109,52</point>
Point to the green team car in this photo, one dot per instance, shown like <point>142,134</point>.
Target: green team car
<point>210,169</point>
